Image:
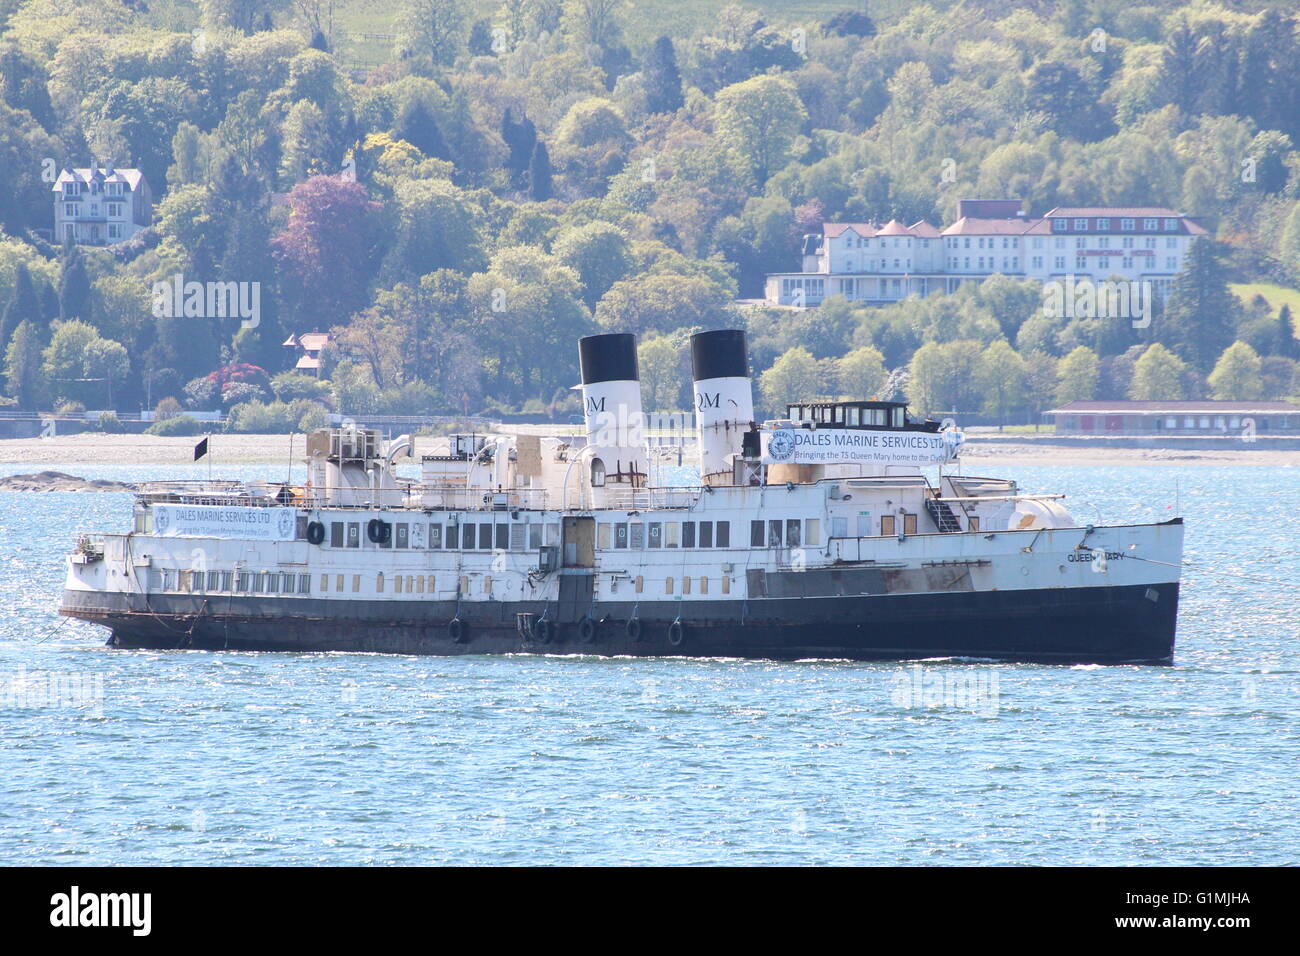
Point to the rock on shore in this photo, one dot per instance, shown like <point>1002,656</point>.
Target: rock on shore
<point>58,481</point>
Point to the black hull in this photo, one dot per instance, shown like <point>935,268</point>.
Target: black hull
<point>1101,625</point>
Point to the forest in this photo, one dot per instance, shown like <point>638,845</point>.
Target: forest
<point>493,180</point>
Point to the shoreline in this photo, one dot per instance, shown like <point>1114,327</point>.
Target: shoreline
<point>97,450</point>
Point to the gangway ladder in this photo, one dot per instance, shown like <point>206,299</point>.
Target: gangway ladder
<point>943,517</point>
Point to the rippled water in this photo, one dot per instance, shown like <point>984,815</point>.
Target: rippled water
<point>238,758</point>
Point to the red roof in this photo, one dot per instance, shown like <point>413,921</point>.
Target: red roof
<point>993,227</point>
<point>1129,212</point>
<point>869,230</point>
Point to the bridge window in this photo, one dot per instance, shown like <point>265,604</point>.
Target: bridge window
<point>706,534</point>
<point>597,473</point>
<point>723,534</point>
<point>757,534</point>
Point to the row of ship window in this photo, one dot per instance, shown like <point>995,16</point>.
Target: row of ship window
<point>634,535</point>
<point>237,582</point>
<point>521,536</point>
<point>272,582</point>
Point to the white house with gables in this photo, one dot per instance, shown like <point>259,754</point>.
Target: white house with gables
<point>869,262</point>
<point>101,205</point>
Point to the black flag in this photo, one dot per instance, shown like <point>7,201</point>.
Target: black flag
<point>200,449</point>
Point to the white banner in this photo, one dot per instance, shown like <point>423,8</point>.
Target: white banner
<point>212,521</point>
<point>853,446</point>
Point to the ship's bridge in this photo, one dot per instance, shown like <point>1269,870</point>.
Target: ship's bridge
<point>873,415</point>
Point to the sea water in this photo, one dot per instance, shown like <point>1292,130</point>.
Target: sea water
<point>148,757</point>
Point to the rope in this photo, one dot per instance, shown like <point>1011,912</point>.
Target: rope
<point>1201,570</point>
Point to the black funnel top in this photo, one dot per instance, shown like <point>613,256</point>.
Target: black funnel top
<point>719,354</point>
<point>608,358</point>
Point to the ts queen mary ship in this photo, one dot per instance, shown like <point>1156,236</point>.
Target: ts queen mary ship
<point>843,530</point>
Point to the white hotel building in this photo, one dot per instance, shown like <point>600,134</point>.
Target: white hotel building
<point>100,205</point>
<point>867,262</point>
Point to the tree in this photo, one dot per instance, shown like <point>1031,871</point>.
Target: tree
<point>1078,374</point>
<point>417,126</point>
<point>1287,346</point>
<point>23,377</point>
<point>106,360</point>
<point>306,144</point>
<point>661,302</point>
<point>431,33</point>
<point>794,377</point>
<point>850,23</point>
<point>65,356</point>
<point>1201,316</point>
<point>23,305</point>
<point>480,38</point>
<point>1178,73</point>
<point>521,141</point>
<point>941,377</point>
<point>527,310</point>
<point>242,15</point>
<point>759,118</point>
<point>1061,93</point>
<point>437,227</point>
<point>663,81</point>
<point>74,284</point>
<point>1236,376</point>
<point>862,373</point>
<point>1158,376</point>
<point>1001,376</point>
<point>661,360</point>
<point>539,174</point>
<point>187,156</point>
<point>326,252</point>
<point>601,255</point>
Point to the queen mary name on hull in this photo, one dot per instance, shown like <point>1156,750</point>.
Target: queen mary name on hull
<point>818,535</point>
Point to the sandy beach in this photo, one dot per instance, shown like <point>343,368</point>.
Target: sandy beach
<point>99,449</point>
